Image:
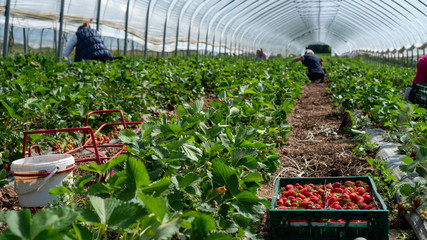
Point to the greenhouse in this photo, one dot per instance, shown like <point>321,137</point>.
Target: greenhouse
<point>213,119</point>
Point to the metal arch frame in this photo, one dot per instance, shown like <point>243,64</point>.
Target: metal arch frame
<point>409,20</point>
<point>365,21</point>
<point>255,7</point>
<point>170,7</point>
<point>181,14</point>
<point>191,24</point>
<point>425,15</point>
<point>273,19</point>
<point>392,25</point>
<point>270,20</point>
<point>216,28</point>
<point>232,20</point>
<point>212,21</point>
<point>251,18</point>
<point>397,25</point>
<point>147,17</point>
<point>200,25</point>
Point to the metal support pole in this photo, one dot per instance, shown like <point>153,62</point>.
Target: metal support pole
<point>188,42</point>
<point>146,29</point>
<point>418,54</point>
<point>176,37</point>
<point>198,38</point>
<point>164,36</point>
<point>6,29</point>
<point>25,41</point>
<point>126,28</point>
<point>407,58</point>
<point>41,40</point>
<point>133,48</point>
<point>98,15</point>
<point>118,46</point>
<point>213,44</point>
<point>61,25</point>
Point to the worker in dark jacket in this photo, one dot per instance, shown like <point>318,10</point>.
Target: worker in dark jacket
<point>89,45</point>
<point>312,62</point>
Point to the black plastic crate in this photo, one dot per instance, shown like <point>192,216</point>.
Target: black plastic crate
<point>421,95</point>
<point>284,222</point>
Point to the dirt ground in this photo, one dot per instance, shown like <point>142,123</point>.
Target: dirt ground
<point>317,147</point>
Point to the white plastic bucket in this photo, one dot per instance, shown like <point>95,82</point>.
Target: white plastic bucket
<point>35,176</point>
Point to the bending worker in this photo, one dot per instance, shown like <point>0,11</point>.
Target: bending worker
<point>89,45</point>
<point>312,62</point>
<point>420,77</point>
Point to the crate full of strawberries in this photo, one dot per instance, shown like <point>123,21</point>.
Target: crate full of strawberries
<point>327,208</point>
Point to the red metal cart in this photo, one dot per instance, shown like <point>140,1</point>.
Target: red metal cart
<point>90,143</point>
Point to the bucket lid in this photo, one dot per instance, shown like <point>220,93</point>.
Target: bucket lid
<point>42,162</point>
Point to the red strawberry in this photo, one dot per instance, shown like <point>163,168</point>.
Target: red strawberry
<point>362,206</point>
<point>417,202</point>
<point>337,206</point>
<point>338,190</point>
<point>354,197</point>
<point>54,148</point>
<point>281,201</point>
<point>290,187</point>
<point>314,199</point>
<point>304,191</point>
<point>332,200</point>
<point>367,188</point>
<point>413,154</point>
<point>290,193</point>
<point>367,197</point>
<point>360,190</point>
<point>305,203</point>
<point>336,185</point>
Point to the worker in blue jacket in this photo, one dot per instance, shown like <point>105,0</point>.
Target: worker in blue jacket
<point>312,62</point>
<point>89,45</point>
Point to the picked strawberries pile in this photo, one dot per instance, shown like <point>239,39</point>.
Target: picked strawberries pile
<point>350,195</point>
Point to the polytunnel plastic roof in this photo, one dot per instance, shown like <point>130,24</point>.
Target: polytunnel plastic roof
<point>278,26</point>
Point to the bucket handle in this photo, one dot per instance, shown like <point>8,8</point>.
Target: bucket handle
<point>40,185</point>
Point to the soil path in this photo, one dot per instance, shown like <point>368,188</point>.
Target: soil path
<point>317,147</point>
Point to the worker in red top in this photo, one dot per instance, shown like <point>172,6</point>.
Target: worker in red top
<point>420,76</point>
